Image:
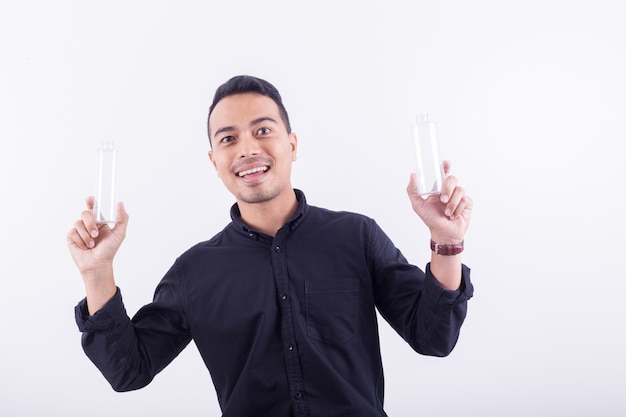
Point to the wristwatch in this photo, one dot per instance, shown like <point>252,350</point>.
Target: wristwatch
<point>447,250</point>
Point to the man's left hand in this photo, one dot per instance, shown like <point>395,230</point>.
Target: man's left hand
<point>446,215</point>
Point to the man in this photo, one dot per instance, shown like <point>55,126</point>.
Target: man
<point>282,302</point>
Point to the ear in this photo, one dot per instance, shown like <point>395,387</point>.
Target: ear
<point>212,159</point>
<point>293,143</point>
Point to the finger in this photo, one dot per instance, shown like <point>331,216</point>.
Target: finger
<point>91,202</point>
<point>447,165</point>
<point>73,239</point>
<point>453,208</point>
<point>89,222</point>
<point>447,189</point>
<point>80,236</point>
<point>465,205</point>
<point>460,209</point>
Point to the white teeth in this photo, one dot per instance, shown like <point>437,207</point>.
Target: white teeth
<point>252,171</point>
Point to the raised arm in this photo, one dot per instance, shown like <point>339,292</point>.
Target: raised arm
<point>448,217</point>
<point>93,247</point>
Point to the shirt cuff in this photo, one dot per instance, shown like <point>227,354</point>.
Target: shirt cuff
<point>449,297</point>
<point>107,317</point>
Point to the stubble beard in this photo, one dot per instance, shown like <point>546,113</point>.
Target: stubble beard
<point>256,195</point>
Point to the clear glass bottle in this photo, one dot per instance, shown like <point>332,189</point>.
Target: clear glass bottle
<point>429,168</point>
<point>106,198</point>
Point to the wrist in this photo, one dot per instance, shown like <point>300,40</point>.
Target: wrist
<point>98,293</point>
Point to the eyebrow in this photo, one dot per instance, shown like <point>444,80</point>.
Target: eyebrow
<point>252,123</point>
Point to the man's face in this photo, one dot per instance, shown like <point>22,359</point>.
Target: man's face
<point>252,151</point>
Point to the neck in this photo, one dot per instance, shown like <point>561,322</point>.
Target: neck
<point>268,217</point>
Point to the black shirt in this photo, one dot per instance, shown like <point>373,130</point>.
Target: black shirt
<point>286,325</point>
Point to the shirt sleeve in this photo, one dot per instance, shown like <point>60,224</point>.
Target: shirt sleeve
<point>411,300</point>
<point>129,353</point>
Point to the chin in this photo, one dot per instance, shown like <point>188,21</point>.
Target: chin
<point>256,196</point>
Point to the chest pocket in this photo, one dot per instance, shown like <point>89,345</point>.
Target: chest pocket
<point>332,308</point>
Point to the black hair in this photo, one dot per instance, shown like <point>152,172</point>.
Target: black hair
<point>241,84</point>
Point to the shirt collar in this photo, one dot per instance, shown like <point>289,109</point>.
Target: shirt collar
<point>243,228</point>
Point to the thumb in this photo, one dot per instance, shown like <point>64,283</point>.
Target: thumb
<point>416,199</point>
<point>121,220</point>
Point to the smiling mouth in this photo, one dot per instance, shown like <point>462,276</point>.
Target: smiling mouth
<point>255,170</point>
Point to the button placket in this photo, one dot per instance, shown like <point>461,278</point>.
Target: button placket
<point>292,362</point>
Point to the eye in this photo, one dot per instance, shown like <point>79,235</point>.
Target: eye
<point>263,131</point>
<point>227,139</point>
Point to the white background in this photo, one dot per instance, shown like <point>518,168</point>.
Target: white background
<point>530,101</point>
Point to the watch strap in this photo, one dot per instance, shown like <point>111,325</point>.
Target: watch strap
<point>447,250</point>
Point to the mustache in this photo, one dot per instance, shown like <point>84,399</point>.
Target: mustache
<point>253,160</point>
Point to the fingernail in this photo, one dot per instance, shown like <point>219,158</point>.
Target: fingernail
<point>448,212</point>
<point>92,244</point>
<point>94,233</point>
<point>444,198</point>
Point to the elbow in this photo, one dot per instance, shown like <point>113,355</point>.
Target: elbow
<point>439,353</point>
<point>127,381</point>
<point>119,388</point>
<point>438,347</point>
<point>127,386</point>
<point>124,388</point>
<point>442,353</point>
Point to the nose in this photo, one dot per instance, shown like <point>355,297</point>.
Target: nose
<point>248,145</point>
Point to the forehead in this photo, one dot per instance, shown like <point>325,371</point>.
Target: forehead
<point>241,109</point>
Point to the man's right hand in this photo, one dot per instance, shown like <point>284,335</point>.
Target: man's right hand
<point>93,247</point>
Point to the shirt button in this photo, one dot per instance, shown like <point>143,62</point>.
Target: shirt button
<point>290,347</point>
<point>297,395</point>
<point>277,249</point>
<point>283,296</point>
